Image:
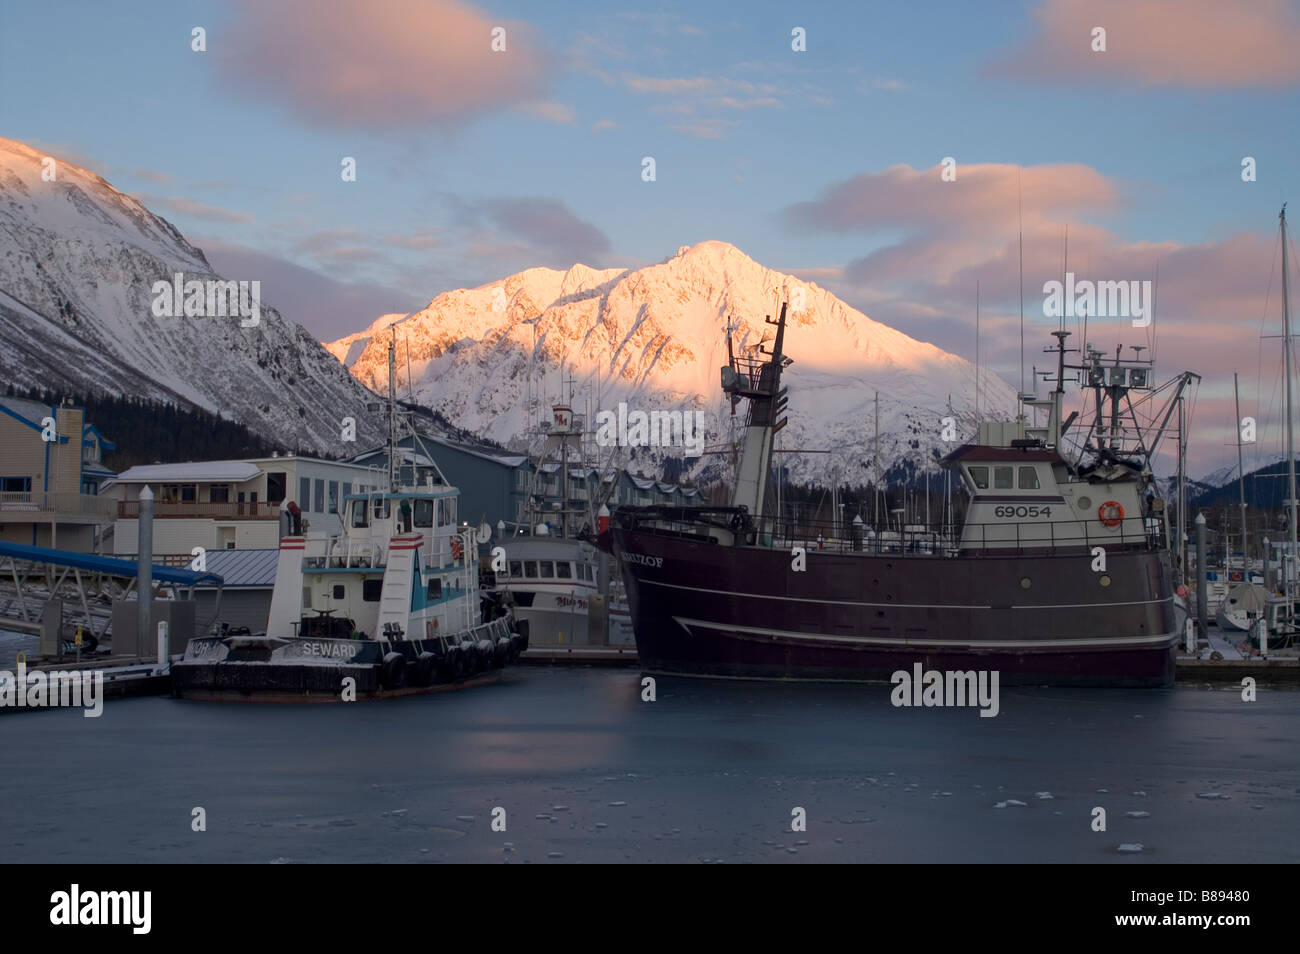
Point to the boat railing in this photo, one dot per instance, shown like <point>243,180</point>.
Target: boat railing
<point>998,538</point>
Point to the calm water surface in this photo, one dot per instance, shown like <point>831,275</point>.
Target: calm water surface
<point>710,771</point>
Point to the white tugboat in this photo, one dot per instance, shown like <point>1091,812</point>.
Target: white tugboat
<point>391,603</point>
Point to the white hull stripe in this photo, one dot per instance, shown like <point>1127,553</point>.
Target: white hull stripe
<point>953,606</point>
<point>965,644</point>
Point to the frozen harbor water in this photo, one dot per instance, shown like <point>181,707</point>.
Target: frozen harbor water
<point>710,771</point>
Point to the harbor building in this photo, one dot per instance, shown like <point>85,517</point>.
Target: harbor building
<point>51,474</point>
<point>231,504</point>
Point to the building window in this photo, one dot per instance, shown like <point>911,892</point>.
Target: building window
<point>347,487</point>
<point>320,497</point>
<point>189,493</point>
<point>1003,478</point>
<point>304,494</point>
<point>334,496</point>
<point>1028,478</point>
<point>275,486</point>
<point>16,485</point>
<point>219,493</point>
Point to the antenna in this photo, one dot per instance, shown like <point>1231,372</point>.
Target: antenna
<point>1020,226</point>
<point>977,349</point>
<point>1065,264</point>
<point>410,387</point>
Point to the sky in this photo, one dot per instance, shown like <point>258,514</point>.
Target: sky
<point>826,162</point>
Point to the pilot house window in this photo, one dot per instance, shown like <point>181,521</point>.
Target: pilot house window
<point>1003,478</point>
<point>1028,478</point>
<point>980,475</point>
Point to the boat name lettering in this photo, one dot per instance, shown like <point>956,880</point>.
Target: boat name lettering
<point>570,601</point>
<point>336,650</point>
<point>1022,512</point>
<point>643,559</point>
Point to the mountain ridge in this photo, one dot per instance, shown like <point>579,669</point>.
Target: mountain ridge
<point>656,336</point>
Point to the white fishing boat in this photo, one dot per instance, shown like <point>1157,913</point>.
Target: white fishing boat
<point>552,575</point>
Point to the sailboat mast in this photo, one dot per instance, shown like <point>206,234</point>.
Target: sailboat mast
<point>392,411</point>
<point>1290,440</point>
<point>875,466</point>
<point>1241,484</point>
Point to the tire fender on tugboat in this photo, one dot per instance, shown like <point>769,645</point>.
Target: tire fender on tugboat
<point>392,671</point>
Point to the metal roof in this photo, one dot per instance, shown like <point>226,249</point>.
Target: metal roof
<point>244,568</point>
<point>103,564</point>
<point>215,470</point>
<point>982,453</point>
<point>29,412</point>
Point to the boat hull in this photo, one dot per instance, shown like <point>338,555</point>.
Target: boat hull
<point>314,669</point>
<point>706,609</point>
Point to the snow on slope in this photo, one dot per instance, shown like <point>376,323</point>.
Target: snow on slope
<point>78,261</point>
<point>492,358</point>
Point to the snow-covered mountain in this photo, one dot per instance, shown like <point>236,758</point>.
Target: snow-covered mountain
<point>493,358</point>
<point>78,264</point>
<point>1226,475</point>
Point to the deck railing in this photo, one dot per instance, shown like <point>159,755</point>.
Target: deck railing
<point>1000,537</point>
<point>17,506</point>
<point>193,510</point>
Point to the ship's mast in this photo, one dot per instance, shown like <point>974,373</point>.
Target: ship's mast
<point>1241,482</point>
<point>1058,395</point>
<point>392,411</point>
<point>760,382</point>
<point>1290,446</point>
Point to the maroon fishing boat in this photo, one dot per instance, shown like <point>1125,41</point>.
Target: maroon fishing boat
<point>1059,573</point>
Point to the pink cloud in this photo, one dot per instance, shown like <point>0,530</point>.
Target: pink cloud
<point>196,210</point>
<point>1213,298</point>
<point>1196,43</point>
<point>380,63</point>
<point>947,225</point>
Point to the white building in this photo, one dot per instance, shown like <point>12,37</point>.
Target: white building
<point>231,504</point>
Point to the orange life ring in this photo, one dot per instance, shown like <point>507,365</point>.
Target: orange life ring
<point>1111,514</point>
<point>456,548</point>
